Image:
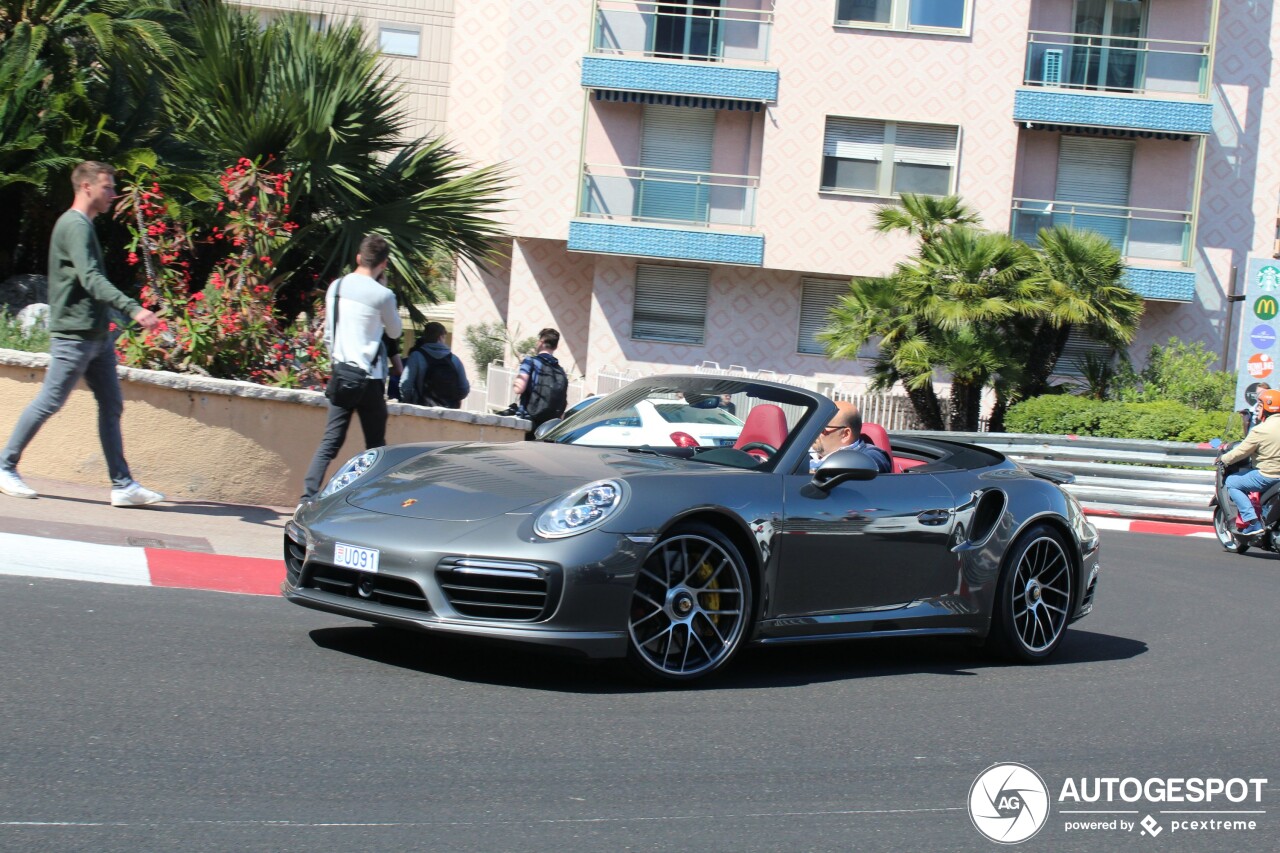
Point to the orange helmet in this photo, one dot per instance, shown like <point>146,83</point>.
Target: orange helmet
<point>1269,400</point>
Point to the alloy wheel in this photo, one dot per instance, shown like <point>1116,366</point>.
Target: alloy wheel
<point>1041,589</point>
<point>690,606</point>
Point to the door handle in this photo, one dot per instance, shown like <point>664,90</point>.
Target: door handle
<point>934,517</point>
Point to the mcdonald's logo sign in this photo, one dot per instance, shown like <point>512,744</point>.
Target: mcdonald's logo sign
<point>1266,308</point>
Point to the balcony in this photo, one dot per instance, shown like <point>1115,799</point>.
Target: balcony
<point>667,196</point>
<point>667,213</point>
<point>1151,241</point>
<point>1076,79</point>
<point>681,49</point>
<point>1108,64</point>
<point>681,31</point>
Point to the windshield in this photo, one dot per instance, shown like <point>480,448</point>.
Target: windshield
<point>711,419</point>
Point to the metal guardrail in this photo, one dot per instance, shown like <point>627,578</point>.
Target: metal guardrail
<point>1133,478</point>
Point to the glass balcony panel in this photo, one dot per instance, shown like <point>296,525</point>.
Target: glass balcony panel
<point>1138,233</point>
<point>1111,64</point>
<point>669,196</point>
<point>704,32</point>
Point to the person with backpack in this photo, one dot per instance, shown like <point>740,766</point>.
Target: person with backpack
<point>433,376</point>
<point>541,387</point>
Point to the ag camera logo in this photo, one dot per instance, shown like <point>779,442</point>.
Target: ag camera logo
<point>1009,803</point>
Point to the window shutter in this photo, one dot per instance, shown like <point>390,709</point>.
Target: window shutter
<point>1094,170</point>
<point>677,138</point>
<point>818,296</point>
<point>854,139</point>
<point>931,144</point>
<point>671,304</point>
<point>1080,345</point>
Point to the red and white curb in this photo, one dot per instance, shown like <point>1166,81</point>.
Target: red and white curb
<point>1168,528</point>
<point>34,556</point>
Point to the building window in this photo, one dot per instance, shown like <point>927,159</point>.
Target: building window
<point>817,297</point>
<point>671,304</point>
<point>399,41</point>
<point>932,15</point>
<point>888,158</point>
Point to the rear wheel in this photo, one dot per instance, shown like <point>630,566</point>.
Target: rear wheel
<point>691,606</point>
<point>1224,523</point>
<point>1034,597</point>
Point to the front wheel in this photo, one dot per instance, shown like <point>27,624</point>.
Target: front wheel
<point>1034,597</point>
<point>1224,525</point>
<point>691,605</point>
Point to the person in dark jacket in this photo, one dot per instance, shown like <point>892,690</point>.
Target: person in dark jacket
<point>433,375</point>
<point>80,346</point>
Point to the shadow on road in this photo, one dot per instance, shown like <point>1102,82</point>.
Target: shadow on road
<point>755,668</point>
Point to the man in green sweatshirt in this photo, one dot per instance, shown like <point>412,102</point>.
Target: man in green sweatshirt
<point>80,296</point>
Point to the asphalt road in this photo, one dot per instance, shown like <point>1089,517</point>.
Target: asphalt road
<point>161,719</point>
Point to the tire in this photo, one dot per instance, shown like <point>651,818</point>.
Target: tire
<point>1224,527</point>
<point>1034,597</point>
<point>691,607</point>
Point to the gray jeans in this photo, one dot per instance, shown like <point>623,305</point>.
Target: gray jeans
<point>69,360</point>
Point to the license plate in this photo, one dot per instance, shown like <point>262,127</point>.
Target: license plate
<point>363,559</point>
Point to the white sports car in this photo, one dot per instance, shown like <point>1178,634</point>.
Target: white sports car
<point>663,423</point>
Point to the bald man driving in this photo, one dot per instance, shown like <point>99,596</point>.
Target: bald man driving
<point>845,430</point>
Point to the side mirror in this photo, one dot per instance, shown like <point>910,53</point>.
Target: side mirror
<point>844,465</point>
<point>545,427</point>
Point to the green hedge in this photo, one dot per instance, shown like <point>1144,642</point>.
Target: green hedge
<point>1166,420</point>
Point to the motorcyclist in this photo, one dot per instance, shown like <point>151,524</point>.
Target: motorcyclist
<point>1263,444</point>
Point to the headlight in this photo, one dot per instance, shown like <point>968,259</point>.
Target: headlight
<point>353,470</point>
<point>582,509</point>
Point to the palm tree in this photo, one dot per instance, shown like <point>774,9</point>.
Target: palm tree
<point>1081,277</point>
<point>62,67</point>
<point>319,104</point>
<point>945,309</point>
<point>924,216</point>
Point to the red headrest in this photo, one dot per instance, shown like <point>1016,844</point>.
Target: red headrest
<point>765,423</point>
<point>875,434</point>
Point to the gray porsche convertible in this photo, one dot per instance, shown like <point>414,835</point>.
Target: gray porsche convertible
<point>606,538</point>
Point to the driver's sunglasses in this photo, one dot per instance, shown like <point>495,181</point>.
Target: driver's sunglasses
<point>827,430</point>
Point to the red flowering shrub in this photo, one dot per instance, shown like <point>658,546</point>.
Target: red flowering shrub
<point>225,326</point>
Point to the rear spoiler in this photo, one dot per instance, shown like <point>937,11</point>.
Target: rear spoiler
<point>1053,475</point>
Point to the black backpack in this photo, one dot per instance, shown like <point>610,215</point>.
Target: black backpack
<point>549,394</point>
<point>437,384</point>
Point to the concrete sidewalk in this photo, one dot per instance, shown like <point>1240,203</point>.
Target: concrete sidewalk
<point>72,531</point>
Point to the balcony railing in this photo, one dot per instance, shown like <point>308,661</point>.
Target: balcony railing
<point>711,33</point>
<point>1117,64</point>
<point>640,194</point>
<point>1137,232</point>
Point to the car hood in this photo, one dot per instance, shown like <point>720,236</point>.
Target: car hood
<point>472,482</point>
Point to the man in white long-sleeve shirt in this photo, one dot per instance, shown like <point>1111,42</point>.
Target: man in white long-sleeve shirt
<point>364,310</point>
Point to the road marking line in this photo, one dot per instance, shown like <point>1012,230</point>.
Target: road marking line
<point>65,559</point>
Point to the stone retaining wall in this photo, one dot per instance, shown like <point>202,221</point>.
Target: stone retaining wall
<point>196,438</point>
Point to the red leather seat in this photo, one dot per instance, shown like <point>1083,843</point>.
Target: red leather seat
<point>875,434</point>
<point>766,424</point>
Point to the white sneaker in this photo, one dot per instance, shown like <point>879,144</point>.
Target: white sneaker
<point>135,494</point>
<point>11,484</point>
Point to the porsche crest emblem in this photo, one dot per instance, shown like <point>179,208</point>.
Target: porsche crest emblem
<point>410,502</point>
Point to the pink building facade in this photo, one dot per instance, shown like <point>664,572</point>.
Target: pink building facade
<point>696,180</point>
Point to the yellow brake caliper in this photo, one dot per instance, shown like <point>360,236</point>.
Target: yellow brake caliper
<point>712,599</point>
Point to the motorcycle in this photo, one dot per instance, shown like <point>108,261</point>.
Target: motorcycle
<point>1226,518</point>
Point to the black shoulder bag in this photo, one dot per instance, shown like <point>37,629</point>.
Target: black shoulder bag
<point>348,381</point>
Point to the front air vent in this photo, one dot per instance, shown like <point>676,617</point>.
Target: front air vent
<point>498,589</point>
<point>366,586</point>
<point>295,554</point>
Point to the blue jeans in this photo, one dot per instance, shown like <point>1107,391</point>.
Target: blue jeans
<point>1247,481</point>
<point>69,360</point>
